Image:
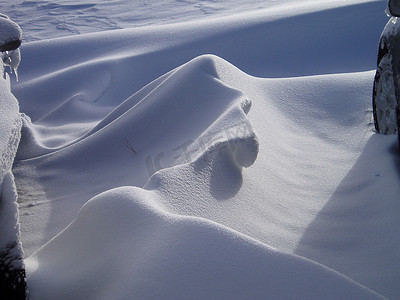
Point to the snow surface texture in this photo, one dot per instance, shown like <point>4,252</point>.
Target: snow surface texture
<point>10,125</point>
<point>130,240</point>
<point>49,19</point>
<point>11,263</point>
<point>12,269</point>
<point>205,178</point>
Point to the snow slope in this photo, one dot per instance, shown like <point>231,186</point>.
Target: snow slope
<point>49,19</point>
<point>243,142</point>
<point>143,252</point>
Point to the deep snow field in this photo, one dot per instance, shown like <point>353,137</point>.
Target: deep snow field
<point>204,150</point>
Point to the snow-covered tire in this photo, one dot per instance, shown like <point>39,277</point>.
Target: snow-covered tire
<point>384,98</point>
<point>398,123</point>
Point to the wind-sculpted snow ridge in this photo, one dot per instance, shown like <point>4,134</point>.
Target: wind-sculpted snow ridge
<point>186,115</point>
<point>190,133</point>
<point>125,245</point>
<point>190,102</point>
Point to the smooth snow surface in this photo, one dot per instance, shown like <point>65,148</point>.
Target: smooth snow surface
<point>127,240</point>
<point>228,154</point>
<point>46,19</point>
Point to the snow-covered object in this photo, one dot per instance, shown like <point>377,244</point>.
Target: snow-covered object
<point>11,59</point>
<point>12,269</point>
<point>11,266</point>
<point>10,34</point>
<point>386,88</point>
<point>10,40</point>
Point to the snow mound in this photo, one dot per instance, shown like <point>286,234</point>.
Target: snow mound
<point>11,264</point>
<point>189,114</point>
<point>190,102</point>
<point>124,245</point>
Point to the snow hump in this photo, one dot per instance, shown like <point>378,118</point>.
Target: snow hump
<point>149,253</point>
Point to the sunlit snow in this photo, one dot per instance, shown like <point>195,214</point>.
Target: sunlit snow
<point>204,149</point>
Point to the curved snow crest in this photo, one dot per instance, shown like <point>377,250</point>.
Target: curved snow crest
<point>150,253</point>
<point>184,113</point>
<point>210,167</point>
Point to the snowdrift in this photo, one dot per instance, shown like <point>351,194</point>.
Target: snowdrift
<point>12,273</point>
<point>232,157</point>
<point>132,248</point>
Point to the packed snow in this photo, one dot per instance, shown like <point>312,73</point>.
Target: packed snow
<point>204,150</point>
<point>11,256</point>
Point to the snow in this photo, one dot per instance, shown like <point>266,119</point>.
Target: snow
<point>10,125</point>
<point>126,233</point>
<point>10,40</point>
<point>226,152</point>
<point>11,260</point>
<point>49,19</point>
<point>10,31</point>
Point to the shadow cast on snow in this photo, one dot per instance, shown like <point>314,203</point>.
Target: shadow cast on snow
<point>357,232</point>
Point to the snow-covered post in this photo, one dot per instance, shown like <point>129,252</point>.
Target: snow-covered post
<point>12,272</point>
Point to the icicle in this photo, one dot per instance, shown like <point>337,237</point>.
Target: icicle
<point>12,59</point>
<point>387,11</point>
<point>16,74</point>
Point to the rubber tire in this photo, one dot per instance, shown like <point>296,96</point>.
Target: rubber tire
<point>384,98</point>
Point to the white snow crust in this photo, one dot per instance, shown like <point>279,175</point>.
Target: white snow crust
<point>10,126</point>
<point>9,30</point>
<point>226,154</point>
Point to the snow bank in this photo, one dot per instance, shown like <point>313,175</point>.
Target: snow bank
<point>124,245</point>
<point>10,124</point>
<point>12,268</point>
<point>12,272</point>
